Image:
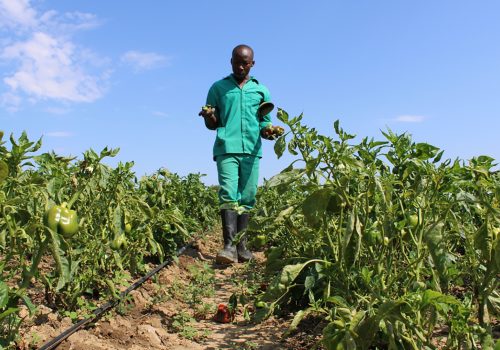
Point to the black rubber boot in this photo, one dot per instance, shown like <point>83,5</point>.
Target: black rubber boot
<point>244,254</point>
<point>228,255</point>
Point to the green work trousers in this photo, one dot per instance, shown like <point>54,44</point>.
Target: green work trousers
<point>238,180</point>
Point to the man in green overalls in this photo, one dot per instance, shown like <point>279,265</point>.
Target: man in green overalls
<point>231,109</point>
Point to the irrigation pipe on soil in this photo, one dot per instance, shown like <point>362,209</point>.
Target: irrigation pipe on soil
<point>109,305</point>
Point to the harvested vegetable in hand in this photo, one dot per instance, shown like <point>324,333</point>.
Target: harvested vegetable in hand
<point>273,132</point>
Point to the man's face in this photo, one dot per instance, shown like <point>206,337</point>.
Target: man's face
<point>242,61</point>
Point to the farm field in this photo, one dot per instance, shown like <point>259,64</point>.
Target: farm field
<point>173,311</point>
<point>379,244</point>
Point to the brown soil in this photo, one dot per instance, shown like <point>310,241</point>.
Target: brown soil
<point>150,318</point>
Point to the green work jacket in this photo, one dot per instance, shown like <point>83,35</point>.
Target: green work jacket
<point>238,126</point>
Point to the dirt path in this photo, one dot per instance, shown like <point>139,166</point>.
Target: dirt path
<point>176,312</point>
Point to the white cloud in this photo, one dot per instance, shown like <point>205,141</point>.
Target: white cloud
<point>81,20</point>
<point>67,23</point>
<point>59,134</point>
<point>57,110</point>
<point>49,69</point>
<point>159,114</point>
<point>409,119</point>
<point>144,60</point>
<point>46,63</point>
<point>17,13</point>
<point>11,102</point>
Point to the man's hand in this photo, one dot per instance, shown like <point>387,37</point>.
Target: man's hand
<point>267,133</point>
<point>208,113</point>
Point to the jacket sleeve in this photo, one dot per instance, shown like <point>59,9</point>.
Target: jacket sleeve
<point>212,101</point>
<point>266,120</point>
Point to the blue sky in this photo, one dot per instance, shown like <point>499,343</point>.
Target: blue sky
<point>134,74</point>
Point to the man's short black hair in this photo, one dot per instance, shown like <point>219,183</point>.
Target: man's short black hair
<point>242,46</point>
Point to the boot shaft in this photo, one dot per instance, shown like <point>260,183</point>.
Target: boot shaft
<point>243,222</point>
<point>229,254</point>
<point>243,253</point>
<point>229,225</point>
<point>232,224</point>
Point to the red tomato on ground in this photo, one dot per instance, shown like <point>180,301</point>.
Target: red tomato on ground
<point>223,314</point>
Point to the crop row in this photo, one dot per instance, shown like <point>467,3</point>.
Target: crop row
<point>73,232</point>
<point>384,241</point>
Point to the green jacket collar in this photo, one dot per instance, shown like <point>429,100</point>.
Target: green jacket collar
<point>231,77</point>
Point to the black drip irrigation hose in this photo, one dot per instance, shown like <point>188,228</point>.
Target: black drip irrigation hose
<point>97,314</point>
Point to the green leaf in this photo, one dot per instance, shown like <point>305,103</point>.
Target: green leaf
<point>285,213</point>
<point>280,283</point>
<point>367,327</point>
<point>438,157</point>
<point>109,152</point>
<point>8,312</point>
<point>4,171</point>
<point>62,264</point>
<point>118,260</point>
<point>299,316</point>
<point>282,115</point>
<point>284,178</point>
<point>337,339</point>
<point>336,126</point>
<point>233,301</point>
<point>4,294</point>
<point>145,209</point>
<point>279,147</point>
<point>287,169</point>
<point>262,313</point>
<point>434,239</point>
<point>366,274</point>
<point>351,242</point>
<point>118,220</point>
<point>290,273</point>
<point>425,151</point>
<point>493,302</point>
<point>337,300</point>
<point>497,252</point>
<point>114,152</point>
<point>309,282</point>
<point>274,259</point>
<point>292,145</point>
<point>435,298</point>
<point>315,205</point>
<point>153,246</point>
<point>29,304</point>
<point>483,241</point>
<point>296,119</point>
<point>37,146</point>
<point>311,165</point>
<point>65,272</point>
<point>374,144</point>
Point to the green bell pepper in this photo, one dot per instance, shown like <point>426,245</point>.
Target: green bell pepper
<point>62,220</point>
<point>118,242</point>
